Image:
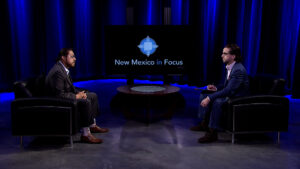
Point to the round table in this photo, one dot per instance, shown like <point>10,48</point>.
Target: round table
<point>129,89</point>
<point>149,91</point>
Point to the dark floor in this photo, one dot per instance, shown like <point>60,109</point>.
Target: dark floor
<point>163,144</point>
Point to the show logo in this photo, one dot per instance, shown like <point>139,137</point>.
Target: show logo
<point>148,46</point>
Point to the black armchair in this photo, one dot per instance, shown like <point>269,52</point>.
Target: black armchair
<point>34,114</point>
<point>266,110</point>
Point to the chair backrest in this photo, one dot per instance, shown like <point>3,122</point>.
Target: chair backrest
<point>33,87</point>
<point>20,90</point>
<point>278,87</point>
<point>266,85</point>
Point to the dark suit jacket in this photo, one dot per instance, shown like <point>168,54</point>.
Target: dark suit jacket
<point>59,84</point>
<point>237,85</point>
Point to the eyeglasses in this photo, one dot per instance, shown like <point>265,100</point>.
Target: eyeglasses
<point>225,53</point>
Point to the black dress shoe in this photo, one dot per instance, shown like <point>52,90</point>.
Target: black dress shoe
<point>200,127</point>
<point>210,136</point>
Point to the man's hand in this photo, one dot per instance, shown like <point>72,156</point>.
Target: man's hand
<point>81,95</point>
<point>205,102</point>
<point>211,88</point>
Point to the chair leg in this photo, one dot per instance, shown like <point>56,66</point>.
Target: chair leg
<point>232,138</point>
<point>278,137</point>
<point>21,141</point>
<point>71,141</point>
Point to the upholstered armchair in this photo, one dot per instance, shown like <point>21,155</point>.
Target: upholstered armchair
<point>34,114</point>
<point>265,110</point>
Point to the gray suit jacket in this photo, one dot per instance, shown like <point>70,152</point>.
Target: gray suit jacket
<point>237,85</point>
<point>59,84</point>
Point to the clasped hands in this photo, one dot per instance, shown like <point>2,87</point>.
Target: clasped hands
<point>206,101</point>
<point>81,95</point>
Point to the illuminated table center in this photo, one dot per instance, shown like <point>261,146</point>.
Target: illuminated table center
<point>148,89</point>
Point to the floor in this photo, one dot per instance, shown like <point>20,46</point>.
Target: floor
<point>164,144</point>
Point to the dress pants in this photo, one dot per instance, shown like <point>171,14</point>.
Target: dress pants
<point>88,109</point>
<point>212,114</point>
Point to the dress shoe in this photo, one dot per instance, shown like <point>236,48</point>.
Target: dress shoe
<point>90,139</point>
<point>210,136</point>
<point>200,127</point>
<point>97,129</point>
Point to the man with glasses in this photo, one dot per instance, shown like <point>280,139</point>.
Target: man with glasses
<point>60,84</point>
<point>236,84</point>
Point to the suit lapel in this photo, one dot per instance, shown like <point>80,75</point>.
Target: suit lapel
<point>69,79</point>
<point>234,66</point>
<point>226,80</point>
<point>65,73</point>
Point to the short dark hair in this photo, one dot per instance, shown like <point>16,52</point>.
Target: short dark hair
<point>63,52</point>
<point>235,50</point>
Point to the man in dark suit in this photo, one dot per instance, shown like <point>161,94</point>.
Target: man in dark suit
<point>236,84</point>
<point>59,84</point>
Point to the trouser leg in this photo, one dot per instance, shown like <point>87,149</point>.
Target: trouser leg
<point>94,103</point>
<point>203,112</point>
<point>86,115</point>
<point>217,114</point>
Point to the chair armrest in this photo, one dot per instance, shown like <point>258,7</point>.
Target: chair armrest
<point>259,99</point>
<point>44,101</point>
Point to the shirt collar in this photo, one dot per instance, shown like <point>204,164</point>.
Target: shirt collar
<point>67,70</point>
<point>229,67</point>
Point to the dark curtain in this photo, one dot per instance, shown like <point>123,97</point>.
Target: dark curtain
<point>33,31</point>
<point>266,31</point>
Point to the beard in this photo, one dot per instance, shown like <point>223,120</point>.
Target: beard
<point>71,65</point>
<point>225,62</point>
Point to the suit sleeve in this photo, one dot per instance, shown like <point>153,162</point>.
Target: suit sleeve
<point>237,78</point>
<point>59,86</point>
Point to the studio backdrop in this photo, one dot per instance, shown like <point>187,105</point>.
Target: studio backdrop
<point>33,31</point>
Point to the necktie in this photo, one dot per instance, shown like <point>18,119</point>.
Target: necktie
<point>70,78</point>
<point>73,87</point>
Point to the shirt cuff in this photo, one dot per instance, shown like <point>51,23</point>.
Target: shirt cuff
<point>208,98</point>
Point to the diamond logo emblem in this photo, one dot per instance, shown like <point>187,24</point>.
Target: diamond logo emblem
<point>148,46</point>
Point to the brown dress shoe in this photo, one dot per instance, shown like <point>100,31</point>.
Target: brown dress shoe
<point>210,136</point>
<point>200,127</point>
<point>90,139</point>
<point>97,129</point>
